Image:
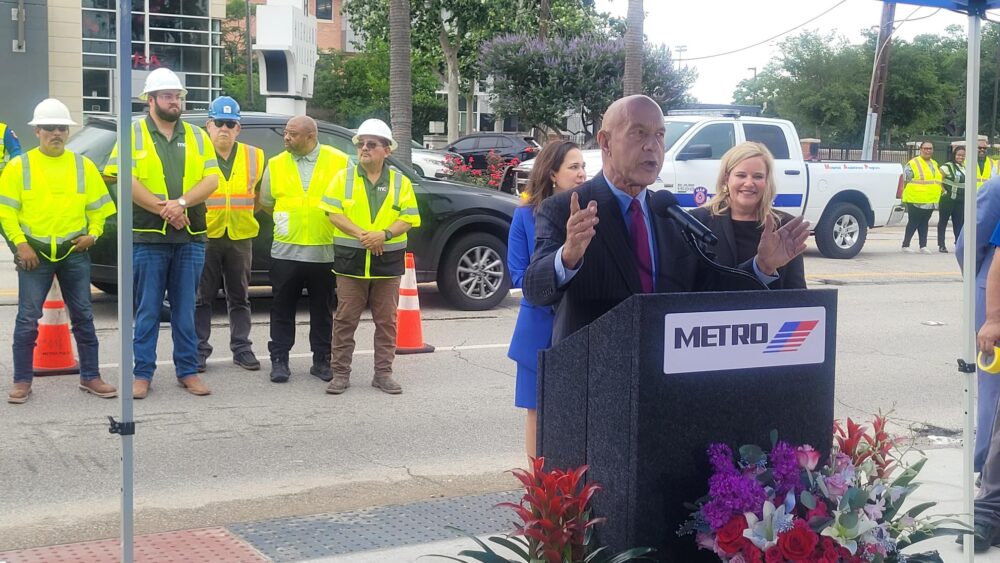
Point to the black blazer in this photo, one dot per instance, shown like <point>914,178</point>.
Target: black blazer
<point>790,276</point>
<point>609,272</point>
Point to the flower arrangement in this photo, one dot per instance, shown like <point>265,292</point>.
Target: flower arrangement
<point>491,177</point>
<point>555,523</point>
<point>779,506</point>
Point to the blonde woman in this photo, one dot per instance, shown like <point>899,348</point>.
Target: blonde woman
<point>744,194</point>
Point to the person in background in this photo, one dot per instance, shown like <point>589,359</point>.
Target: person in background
<point>557,168</point>
<point>921,195</point>
<point>302,251</point>
<point>372,206</point>
<point>986,167</point>
<point>744,194</point>
<point>53,205</point>
<point>10,146</point>
<point>175,171</point>
<point>951,206</point>
<point>231,230</point>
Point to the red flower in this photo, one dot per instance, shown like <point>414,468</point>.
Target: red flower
<point>751,554</point>
<point>730,537</point>
<point>773,555</point>
<point>799,542</point>
<point>820,511</point>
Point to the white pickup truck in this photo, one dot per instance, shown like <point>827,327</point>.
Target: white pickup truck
<point>841,200</point>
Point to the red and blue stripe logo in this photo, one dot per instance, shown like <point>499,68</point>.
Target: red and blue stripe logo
<point>790,337</point>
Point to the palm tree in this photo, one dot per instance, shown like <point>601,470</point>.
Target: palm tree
<point>400,83</point>
<point>633,48</point>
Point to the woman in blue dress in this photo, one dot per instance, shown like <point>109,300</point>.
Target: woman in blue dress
<point>558,167</point>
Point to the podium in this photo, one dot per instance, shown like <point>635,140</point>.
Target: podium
<point>641,393</point>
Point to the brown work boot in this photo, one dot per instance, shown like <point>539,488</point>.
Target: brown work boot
<point>98,387</point>
<point>386,384</point>
<point>338,384</point>
<point>19,393</point>
<point>194,385</point>
<point>140,388</point>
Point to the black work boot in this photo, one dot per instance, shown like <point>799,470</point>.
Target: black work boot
<point>321,367</point>
<point>279,370</point>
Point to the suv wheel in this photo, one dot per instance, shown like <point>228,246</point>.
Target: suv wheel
<point>474,276</point>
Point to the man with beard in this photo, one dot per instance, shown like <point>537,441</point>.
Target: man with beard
<point>302,251</point>
<point>53,205</point>
<point>174,171</point>
<point>231,230</point>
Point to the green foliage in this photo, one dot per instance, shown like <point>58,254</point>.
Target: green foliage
<point>352,88</point>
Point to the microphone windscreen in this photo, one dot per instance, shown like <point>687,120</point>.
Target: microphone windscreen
<point>661,200</point>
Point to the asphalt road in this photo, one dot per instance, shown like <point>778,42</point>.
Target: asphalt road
<point>255,450</point>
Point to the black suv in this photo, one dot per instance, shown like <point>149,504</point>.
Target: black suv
<point>461,242</point>
<point>476,146</point>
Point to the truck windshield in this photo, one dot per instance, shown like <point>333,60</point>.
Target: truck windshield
<point>674,131</point>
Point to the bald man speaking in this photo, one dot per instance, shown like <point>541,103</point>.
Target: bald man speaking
<point>302,251</point>
<point>598,244</point>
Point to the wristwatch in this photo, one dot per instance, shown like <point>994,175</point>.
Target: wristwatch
<point>183,202</point>
<point>388,234</point>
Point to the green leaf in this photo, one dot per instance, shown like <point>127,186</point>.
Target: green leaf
<point>450,558</point>
<point>636,553</point>
<point>485,547</point>
<point>808,500</point>
<point>774,437</point>
<point>766,477</point>
<point>484,557</point>
<point>593,556</point>
<point>858,500</point>
<point>916,510</point>
<point>517,549</point>
<point>848,520</point>
<point>751,453</point>
<point>909,474</point>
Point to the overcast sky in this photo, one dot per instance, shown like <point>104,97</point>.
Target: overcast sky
<point>710,27</point>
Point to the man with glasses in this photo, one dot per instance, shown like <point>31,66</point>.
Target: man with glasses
<point>10,146</point>
<point>372,206</point>
<point>985,166</point>
<point>53,204</point>
<point>231,230</point>
<point>174,171</point>
<point>302,251</point>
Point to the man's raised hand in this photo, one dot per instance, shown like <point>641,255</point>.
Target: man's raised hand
<point>580,230</point>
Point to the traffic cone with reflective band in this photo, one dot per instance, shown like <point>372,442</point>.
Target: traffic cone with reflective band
<point>409,333</point>
<point>53,347</point>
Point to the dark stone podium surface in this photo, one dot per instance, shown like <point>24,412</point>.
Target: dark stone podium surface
<point>606,401</point>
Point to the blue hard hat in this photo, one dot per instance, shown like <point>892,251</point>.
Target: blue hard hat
<point>224,107</point>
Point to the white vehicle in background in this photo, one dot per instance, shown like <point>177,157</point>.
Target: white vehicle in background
<point>841,200</point>
<point>430,163</point>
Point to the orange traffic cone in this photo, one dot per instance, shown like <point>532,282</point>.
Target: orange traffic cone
<point>409,333</point>
<point>53,347</point>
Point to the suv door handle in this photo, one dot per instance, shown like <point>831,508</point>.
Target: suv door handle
<point>793,172</point>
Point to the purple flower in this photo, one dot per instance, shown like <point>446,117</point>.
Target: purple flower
<point>721,458</point>
<point>785,468</point>
<point>732,494</point>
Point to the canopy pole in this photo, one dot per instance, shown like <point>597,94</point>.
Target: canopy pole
<point>969,276</point>
<point>126,427</point>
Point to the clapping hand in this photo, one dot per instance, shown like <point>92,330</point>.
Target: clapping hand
<point>779,247</point>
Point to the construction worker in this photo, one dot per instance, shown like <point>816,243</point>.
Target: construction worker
<point>372,207</point>
<point>302,251</point>
<point>985,166</point>
<point>53,204</point>
<point>174,171</point>
<point>231,230</point>
<point>920,195</point>
<point>10,146</point>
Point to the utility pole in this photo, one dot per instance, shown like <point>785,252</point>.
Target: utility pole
<point>249,58</point>
<point>880,75</point>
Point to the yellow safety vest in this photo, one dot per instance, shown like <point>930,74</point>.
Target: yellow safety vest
<point>347,195</point>
<point>49,201</point>
<point>199,161</point>
<point>230,208</point>
<point>3,146</point>
<point>985,172</point>
<point>925,187</point>
<point>297,216</point>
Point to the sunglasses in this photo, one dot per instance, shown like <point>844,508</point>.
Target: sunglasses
<point>51,128</point>
<point>170,97</point>
<point>228,123</point>
<point>369,144</point>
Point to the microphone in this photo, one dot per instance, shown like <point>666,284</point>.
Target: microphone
<point>664,204</point>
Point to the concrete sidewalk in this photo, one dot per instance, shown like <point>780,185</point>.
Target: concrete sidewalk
<point>408,533</point>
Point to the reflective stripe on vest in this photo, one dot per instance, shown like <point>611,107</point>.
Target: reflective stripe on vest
<point>231,207</point>
<point>47,245</point>
<point>297,217</point>
<point>984,172</point>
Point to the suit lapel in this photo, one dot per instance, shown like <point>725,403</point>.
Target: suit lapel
<point>725,222</point>
<point>614,234</point>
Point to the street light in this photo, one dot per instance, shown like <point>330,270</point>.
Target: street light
<point>680,50</point>
<point>754,69</point>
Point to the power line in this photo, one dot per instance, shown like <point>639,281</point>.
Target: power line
<point>807,22</point>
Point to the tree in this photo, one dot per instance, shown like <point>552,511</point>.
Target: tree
<point>633,48</point>
<point>400,80</point>
<point>234,55</point>
<point>540,82</point>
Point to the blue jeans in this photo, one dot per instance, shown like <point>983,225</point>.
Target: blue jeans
<point>172,270</point>
<point>32,288</point>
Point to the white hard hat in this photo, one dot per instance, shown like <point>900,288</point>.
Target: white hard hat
<point>51,111</point>
<point>375,128</point>
<point>162,79</point>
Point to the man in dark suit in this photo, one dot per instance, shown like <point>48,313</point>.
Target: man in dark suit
<point>585,269</point>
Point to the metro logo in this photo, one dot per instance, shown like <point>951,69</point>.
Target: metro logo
<point>790,336</point>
